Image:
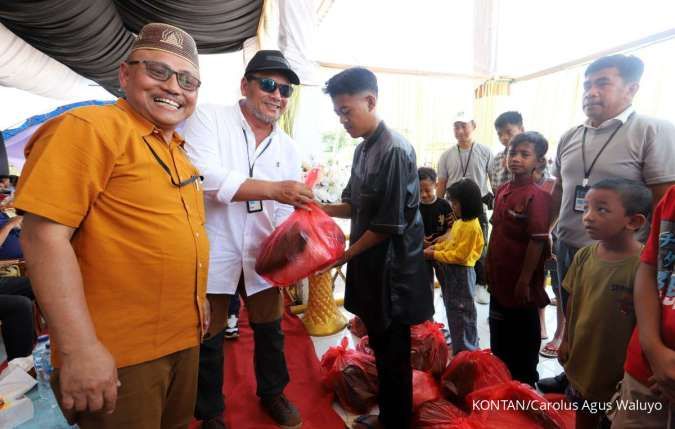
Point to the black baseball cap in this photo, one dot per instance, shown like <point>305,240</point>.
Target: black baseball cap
<point>270,60</point>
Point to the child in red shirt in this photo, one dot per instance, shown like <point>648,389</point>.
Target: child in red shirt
<point>649,377</point>
<point>515,260</point>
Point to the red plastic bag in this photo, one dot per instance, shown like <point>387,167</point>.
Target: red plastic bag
<point>565,409</point>
<point>428,349</point>
<point>364,346</point>
<point>357,327</point>
<point>469,371</point>
<point>425,388</point>
<point>352,375</point>
<point>439,414</point>
<point>513,405</point>
<point>307,242</point>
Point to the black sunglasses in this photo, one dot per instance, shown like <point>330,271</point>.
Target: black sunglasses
<point>161,71</point>
<point>271,85</point>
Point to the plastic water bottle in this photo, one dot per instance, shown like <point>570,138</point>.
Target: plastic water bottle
<point>41,356</point>
<point>47,362</point>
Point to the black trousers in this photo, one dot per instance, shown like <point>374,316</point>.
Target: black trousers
<point>16,314</point>
<point>270,368</point>
<point>394,373</point>
<point>515,338</point>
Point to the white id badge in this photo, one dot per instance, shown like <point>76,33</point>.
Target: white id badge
<point>254,206</point>
<point>580,198</point>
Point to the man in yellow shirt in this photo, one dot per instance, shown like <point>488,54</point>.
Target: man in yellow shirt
<point>115,246</point>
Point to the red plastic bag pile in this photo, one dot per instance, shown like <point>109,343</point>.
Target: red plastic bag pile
<point>439,414</point>
<point>565,408</point>
<point>428,350</point>
<point>425,388</point>
<point>307,242</point>
<point>513,405</point>
<point>469,371</point>
<point>352,375</point>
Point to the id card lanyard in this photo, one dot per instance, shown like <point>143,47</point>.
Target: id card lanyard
<point>465,168</point>
<point>581,191</point>
<point>254,206</point>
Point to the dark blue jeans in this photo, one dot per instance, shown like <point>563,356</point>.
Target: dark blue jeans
<point>458,284</point>
<point>564,254</point>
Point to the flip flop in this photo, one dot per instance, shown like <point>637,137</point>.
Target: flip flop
<point>368,421</point>
<point>550,350</point>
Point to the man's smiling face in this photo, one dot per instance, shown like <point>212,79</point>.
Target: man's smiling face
<point>165,104</point>
<point>265,106</point>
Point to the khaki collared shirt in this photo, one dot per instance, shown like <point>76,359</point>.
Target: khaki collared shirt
<point>139,240</point>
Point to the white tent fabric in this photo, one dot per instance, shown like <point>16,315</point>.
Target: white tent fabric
<point>291,27</point>
<point>297,33</point>
<point>26,68</point>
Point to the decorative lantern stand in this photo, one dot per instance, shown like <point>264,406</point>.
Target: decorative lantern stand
<point>322,316</point>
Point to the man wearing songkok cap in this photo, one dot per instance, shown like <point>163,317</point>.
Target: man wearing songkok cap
<point>114,242</point>
<point>251,171</point>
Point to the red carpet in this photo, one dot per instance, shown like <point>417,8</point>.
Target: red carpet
<point>242,409</point>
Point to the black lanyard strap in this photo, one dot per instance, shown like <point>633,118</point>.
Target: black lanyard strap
<point>161,163</point>
<point>465,168</point>
<point>248,157</point>
<point>587,172</point>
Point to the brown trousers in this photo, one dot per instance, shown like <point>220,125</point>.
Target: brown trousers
<point>157,394</point>
<point>659,416</point>
<point>263,307</point>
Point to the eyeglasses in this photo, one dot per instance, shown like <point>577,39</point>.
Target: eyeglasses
<point>271,85</point>
<point>162,72</point>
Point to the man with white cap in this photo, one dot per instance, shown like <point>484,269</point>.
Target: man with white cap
<point>115,246</point>
<point>471,160</point>
<point>252,175</point>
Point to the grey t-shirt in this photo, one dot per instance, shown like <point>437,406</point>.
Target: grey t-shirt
<point>454,161</point>
<point>642,150</point>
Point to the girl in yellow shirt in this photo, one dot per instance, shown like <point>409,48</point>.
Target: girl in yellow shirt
<point>456,257</point>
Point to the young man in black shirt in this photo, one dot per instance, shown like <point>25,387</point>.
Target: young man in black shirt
<point>387,283</point>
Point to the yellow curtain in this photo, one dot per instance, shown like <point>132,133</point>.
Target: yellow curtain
<point>490,100</point>
<point>288,118</point>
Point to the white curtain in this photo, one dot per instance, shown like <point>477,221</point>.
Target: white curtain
<point>551,104</point>
<point>291,27</point>
<point>297,33</point>
<point>26,68</point>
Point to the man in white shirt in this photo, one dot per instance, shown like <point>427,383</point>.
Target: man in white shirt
<point>472,160</point>
<point>251,170</point>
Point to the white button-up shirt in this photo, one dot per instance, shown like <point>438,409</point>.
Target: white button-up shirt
<point>221,144</point>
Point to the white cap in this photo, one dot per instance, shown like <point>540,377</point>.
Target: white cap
<point>464,116</point>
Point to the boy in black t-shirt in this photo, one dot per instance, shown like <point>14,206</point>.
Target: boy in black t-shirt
<point>436,212</point>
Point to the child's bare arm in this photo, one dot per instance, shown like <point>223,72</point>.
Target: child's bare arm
<point>532,258</point>
<point>648,311</point>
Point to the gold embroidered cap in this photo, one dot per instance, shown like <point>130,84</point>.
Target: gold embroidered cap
<point>167,38</point>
